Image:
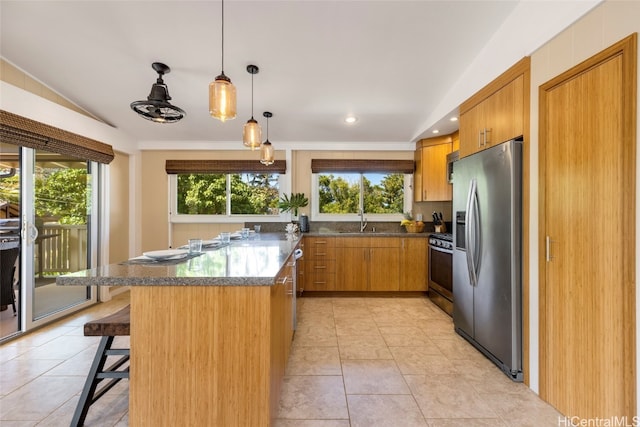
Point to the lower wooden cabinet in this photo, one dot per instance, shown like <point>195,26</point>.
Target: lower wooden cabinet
<point>319,264</point>
<point>414,264</point>
<point>368,263</point>
<point>365,263</point>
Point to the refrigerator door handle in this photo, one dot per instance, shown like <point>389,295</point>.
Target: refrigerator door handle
<point>475,255</point>
<point>469,231</point>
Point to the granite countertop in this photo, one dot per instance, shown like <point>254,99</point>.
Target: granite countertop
<point>253,262</point>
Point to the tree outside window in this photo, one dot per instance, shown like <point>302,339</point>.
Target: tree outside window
<point>344,193</point>
<point>207,194</point>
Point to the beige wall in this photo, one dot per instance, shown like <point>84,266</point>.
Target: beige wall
<point>608,23</point>
<point>155,198</point>
<point>119,184</point>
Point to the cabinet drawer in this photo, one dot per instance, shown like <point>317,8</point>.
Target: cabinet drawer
<point>320,251</point>
<point>320,266</point>
<point>320,282</point>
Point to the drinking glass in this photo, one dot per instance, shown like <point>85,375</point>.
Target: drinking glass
<point>256,228</point>
<point>195,246</point>
<point>244,233</point>
<point>225,237</point>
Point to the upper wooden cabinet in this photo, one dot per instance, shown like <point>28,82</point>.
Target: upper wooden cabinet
<point>496,113</point>
<point>430,182</point>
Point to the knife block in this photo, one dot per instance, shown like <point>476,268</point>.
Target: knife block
<point>441,228</point>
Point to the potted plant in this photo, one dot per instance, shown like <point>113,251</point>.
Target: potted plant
<point>292,203</point>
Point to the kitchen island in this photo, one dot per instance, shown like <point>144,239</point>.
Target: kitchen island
<point>210,336</point>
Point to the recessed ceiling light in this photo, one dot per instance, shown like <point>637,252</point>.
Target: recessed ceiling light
<point>435,131</point>
<point>350,119</point>
<point>453,119</point>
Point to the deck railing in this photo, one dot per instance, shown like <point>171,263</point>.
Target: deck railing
<point>61,249</point>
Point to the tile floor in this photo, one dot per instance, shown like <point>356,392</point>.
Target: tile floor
<point>354,362</point>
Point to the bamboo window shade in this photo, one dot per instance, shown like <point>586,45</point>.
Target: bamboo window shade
<point>19,130</point>
<point>223,166</point>
<point>361,166</point>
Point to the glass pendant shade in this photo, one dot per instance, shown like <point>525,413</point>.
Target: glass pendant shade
<point>251,134</point>
<point>222,98</point>
<point>266,153</point>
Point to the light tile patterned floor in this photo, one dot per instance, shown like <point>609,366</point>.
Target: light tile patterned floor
<point>354,362</point>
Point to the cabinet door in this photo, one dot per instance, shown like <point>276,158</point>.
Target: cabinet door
<point>351,269</point>
<point>414,265</point>
<point>504,113</point>
<point>417,176</point>
<point>471,123</point>
<point>384,269</point>
<point>435,186</point>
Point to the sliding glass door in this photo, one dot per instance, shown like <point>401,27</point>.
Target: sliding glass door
<point>61,215</point>
<point>57,224</point>
<point>10,196</point>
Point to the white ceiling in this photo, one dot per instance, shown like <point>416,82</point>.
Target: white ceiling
<point>390,63</point>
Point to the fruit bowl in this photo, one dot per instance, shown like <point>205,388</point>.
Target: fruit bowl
<point>414,228</point>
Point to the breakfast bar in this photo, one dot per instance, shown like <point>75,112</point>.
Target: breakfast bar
<point>210,334</point>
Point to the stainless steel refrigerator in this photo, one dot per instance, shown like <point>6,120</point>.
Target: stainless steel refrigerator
<point>487,282</point>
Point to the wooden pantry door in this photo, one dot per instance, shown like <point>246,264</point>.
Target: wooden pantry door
<point>587,234</point>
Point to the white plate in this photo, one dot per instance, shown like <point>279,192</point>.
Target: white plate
<point>167,254</point>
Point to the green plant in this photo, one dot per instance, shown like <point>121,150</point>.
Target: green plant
<point>292,203</point>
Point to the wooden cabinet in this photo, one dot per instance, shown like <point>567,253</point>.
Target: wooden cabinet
<point>430,182</point>
<point>414,264</point>
<point>319,263</point>
<point>497,113</point>
<point>367,263</point>
<point>285,278</point>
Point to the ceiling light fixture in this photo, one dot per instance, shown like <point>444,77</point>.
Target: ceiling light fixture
<point>222,93</point>
<point>350,119</point>
<point>266,152</point>
<point>251,133</point>
<point>453,119</point>
<point>157,107</point>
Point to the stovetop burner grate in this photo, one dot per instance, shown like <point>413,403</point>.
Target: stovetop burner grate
<point>442,236</point>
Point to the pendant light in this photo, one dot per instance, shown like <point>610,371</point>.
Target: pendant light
<point>251,133</point>
<point>266,151</point>
<point>222,93</point>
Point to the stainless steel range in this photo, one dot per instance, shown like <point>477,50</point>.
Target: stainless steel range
<point>440,271</point>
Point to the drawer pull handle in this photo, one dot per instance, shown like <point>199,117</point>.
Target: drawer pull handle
<point>320,266</point>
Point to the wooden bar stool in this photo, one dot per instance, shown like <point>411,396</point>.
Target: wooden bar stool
<point>116,324</point>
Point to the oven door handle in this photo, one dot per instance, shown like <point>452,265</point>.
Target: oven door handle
<point>471,233</point>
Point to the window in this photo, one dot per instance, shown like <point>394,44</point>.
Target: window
<point>226,194</point>
<point>214,190</point>
<point>380,187</point>
<point>378,193</point>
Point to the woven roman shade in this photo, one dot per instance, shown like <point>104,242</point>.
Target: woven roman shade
<point>223,166</point>
<point>18,130</point>
<point>361,166</point>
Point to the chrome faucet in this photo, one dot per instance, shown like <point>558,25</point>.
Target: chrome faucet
<point>363,222</point>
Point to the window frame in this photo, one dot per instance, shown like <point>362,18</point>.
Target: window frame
<point>176,218</point>
<point>350,217</point>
